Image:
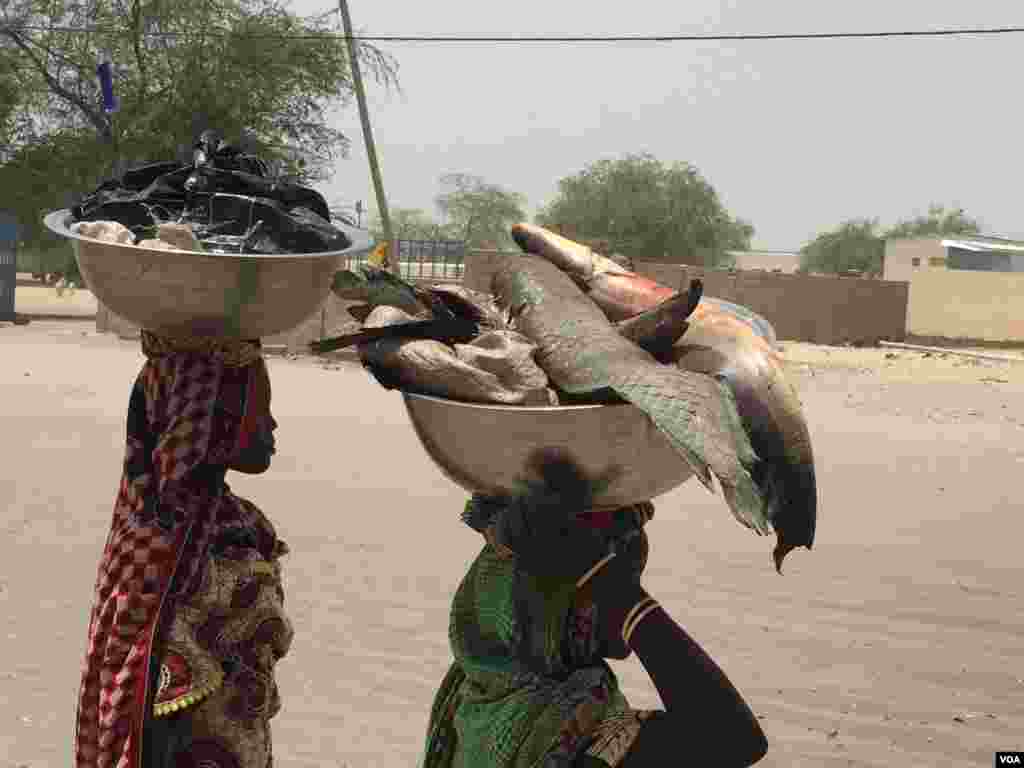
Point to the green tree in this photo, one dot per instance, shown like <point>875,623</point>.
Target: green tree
<point>8,101</point>
<point>648,210</point>
<point>250,68</point>
<point>853,245</point>
<point>479,212</point>
<point>859,244</point>
<point>411,224</point>
<point>939,222</point>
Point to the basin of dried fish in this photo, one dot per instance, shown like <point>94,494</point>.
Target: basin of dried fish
<point>635,380</point>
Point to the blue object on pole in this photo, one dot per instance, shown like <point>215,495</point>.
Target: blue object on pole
<point>105,72</point>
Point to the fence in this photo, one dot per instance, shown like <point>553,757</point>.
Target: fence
<point>8,264</point>
<point>435,260</point>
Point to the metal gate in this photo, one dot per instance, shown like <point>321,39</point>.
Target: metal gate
<point>442,261</point>
<point>8,264</point>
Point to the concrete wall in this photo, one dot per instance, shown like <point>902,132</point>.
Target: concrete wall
<point>962,304</point>
<point>824,310</point>
<point>813,308</point>
<point>819,309</point>
<point>767,260</point>
<point>900,255</point>
<point>948,303</point>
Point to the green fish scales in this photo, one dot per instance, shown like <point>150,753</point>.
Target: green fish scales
<point>583,353</point>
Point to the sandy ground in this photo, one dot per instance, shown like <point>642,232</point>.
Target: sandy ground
<point>896,642</point>
<point>44,300</point>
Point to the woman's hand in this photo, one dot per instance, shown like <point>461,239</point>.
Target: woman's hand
<point>616,588</point>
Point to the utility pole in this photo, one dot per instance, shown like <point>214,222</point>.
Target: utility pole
<point>364,117</point>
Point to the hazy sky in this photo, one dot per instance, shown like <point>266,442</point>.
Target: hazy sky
<point>794,135</point>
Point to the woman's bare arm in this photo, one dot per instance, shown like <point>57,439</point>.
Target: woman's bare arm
<point>706,721</point>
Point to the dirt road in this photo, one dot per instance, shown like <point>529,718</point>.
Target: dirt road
<point>38,299</point>
<point>896,642</point>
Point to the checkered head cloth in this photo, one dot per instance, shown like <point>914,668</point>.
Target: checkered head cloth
<point>185,412</point>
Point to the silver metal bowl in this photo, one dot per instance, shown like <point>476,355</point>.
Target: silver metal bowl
<point>484,448</point>
<point>206,294</point>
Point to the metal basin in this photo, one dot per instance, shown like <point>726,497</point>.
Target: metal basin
<point>483,448</point>
<point>206,294</point>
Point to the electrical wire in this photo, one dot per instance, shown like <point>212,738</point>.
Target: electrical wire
<point>531,39</point>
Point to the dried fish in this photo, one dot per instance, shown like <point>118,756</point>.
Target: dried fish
<point>581,352</point>
<point>725,341</point>
<point>497,367</point>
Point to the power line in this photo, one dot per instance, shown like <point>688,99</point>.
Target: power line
<point>531,39</point>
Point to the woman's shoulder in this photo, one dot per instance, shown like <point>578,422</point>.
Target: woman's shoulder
<point>238,512</point>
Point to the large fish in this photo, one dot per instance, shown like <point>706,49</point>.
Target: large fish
<point>730,343</point>
<point>582,353</point>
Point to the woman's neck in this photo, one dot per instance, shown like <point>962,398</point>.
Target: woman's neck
<point>210,476</point>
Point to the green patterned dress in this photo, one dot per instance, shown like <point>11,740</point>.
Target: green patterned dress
<point>527,688</point>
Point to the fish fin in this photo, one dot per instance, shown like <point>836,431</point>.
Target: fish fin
<point>381,374</point>
<point>417,329</point>
<point>699,468</point>
<point>657,329</point>
<point>735,457</point>
<point>705,477</point>
<point>360,312</point>
<point>454,306</point>
<point>348,284</point>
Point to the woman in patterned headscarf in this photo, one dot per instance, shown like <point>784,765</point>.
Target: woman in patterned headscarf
<point>554,592</point>
<point>187,621</point>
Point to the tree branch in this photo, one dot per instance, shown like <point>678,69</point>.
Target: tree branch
<point>93,115</point>
<point>136,16</point>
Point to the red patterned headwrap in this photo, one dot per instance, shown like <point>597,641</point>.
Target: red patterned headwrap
<point>193,405</point>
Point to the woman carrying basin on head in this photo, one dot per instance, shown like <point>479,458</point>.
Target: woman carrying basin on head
<point>187,621</point>
<point>555,591</point>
